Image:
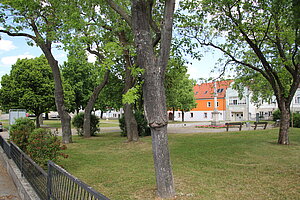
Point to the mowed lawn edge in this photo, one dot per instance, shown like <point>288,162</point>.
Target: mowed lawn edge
<point>227,165</point>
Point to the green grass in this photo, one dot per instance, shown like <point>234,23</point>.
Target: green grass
<point>231,165</point>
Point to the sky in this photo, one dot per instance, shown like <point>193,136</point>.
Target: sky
<point>12,48</point>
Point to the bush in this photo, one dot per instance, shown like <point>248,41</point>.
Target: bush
<point>78,124</point>
<point>44,146</point>
<point>20,131</point>
<point>276,115</point>
<point>143,128</point>
<point>296,120</point>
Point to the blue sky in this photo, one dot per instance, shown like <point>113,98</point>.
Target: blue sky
<point>12,48</point>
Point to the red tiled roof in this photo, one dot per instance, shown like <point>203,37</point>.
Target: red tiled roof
<point>206,90</point>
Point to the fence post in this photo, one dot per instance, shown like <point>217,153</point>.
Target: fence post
<point>49,182</point>
<point>9,150</point>
<point>21,165</point>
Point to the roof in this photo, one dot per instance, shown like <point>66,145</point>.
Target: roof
<point>206,90</point>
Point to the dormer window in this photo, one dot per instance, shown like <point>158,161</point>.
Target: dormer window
<point>220,90</point>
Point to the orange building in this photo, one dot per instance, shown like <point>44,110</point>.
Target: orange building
<point>204,95</point>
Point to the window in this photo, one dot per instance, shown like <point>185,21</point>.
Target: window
<point>205,92</point>
<point>234,102</point>
<point>208,104</point>
<point>205,115</point>
<point>192,115</point>
<point>219,90</point>
<point>178,114</point>
<point>217,104</point>
<point>270,113</point>
<point>261,113</point>
<point>297,99</point>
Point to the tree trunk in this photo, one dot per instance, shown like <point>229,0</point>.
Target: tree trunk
<point>182,116</point>
<point>90,105</point>
<point>153,88</point>
<point>101,114</point>
<point>173,114</point>
<point>130,121</point>
<point>156,114</point>
<point>131,124</point>
<point>37,121</point>
<point>283,137</point>
<point>59,95</point>
<point>41,119</point>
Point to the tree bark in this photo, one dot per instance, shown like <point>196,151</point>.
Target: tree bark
<point>130,121</point>
<point>59,96</point>
<point>37,121</point>
<point>173,114</point>
<point>182,116</point>
<point>131,124</point>
<point>90,105</point>
<point>283,137</point>
<point>153,88</point>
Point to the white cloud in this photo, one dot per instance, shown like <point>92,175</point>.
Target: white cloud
<point>10,60</point>
<point>6,45</point>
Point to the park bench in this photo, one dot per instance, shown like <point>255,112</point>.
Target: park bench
<point>234,124</point>
<point>260,124</point>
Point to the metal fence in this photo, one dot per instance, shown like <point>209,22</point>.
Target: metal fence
<point>64,186</point>
<point>5,146</point>
<point>34,174</point>
<point>58,184</point>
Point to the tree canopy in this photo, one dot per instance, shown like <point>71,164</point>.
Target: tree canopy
<point>259,38</point>
<point>29,86</point>
<point>179,88</point>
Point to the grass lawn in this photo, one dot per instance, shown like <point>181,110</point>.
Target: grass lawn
<point>231,165</point>
<point>103,123</point>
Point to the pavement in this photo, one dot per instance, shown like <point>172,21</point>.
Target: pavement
<point>8,190</point>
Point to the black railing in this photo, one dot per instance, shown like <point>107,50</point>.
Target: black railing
<point>5,146</point>
<point>62,185</point>
<point>58,184</point>
<point>34,174</point>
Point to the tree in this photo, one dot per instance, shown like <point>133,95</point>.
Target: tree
<point>29,85</point>
<point>262,40</point>
<point>81,76</point>
<point>39,22</point>
<point>143,22</point>
<point>179,88</point>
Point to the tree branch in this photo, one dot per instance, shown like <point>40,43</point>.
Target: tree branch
<point>273,76</point>
<point>166,33</point>
<point>120,11</point>
<point>280,49</point>
<point>99,55</point>
<point>18,34</point>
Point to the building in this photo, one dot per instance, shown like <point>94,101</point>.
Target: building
<point>230,105</point>
<point>204,95</point>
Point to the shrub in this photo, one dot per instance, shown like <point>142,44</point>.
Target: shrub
<point>78,124</point>
<point>276,115</point>
<point>296,120</point>
<point>20,131</point>
<point>44,146</point>
<point>143,128</point>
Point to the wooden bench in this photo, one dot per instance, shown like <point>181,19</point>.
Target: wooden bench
<point>240,124</point>
<point>260,124</point>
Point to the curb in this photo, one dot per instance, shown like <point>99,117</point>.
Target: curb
<point>25,190</point>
